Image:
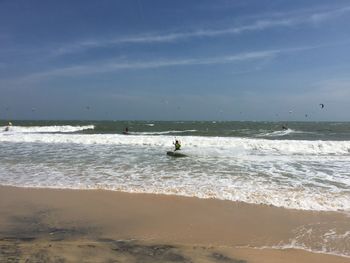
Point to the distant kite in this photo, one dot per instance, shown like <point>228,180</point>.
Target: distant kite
<point>306,115</point>
<point>322,105</point>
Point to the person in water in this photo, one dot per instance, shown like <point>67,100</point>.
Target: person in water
<point>177,145</point>
<point>7,128</point>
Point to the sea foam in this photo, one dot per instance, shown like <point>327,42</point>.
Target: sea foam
<point>295,174</point>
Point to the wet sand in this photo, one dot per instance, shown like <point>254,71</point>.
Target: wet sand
<point>47,225</point>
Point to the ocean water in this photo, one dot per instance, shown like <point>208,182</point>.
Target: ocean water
<point>306,167</point>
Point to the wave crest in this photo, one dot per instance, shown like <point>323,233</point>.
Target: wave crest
<point>48,129</point>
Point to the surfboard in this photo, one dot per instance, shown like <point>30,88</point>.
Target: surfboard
<point>176,154</point>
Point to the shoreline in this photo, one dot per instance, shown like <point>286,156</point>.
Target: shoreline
<point>171,194</point>
<point>184,223</point>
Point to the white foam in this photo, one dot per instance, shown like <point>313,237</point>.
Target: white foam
<point>331,238</point>
<point>47,129</point>
<point>309,175</point>
<point>300,247</point>
<point>277,133</point>
<point>223,146</point>
<point>161,132</point>
<point>282,133</point>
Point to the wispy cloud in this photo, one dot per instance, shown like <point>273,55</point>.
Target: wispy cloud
<point>283,20</point>
<point>118,65</point>
<point>135,65</point>
<point>170,37</point>
<point>322,16</point>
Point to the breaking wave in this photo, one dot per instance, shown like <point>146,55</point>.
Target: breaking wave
<point>46,129</point>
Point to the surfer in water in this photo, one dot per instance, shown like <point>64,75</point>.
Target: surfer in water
<point>126,131</point>
<point>8,126</point>
<point>177,145</point>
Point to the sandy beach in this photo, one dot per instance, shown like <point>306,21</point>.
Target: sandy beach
<point>49,225</point>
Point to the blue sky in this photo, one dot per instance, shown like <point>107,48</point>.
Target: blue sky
<point>175,60</point>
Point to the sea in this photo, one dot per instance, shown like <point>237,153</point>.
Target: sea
<point>303,167</point>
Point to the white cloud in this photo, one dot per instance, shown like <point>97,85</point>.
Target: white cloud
<point>171,37</point>
<point>283,20</point>
<point>322,16</point>
<point>120,65</point>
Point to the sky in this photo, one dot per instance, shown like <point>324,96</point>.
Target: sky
<point>254,60</point>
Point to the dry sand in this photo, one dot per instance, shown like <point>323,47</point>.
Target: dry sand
<point>47,225</point>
